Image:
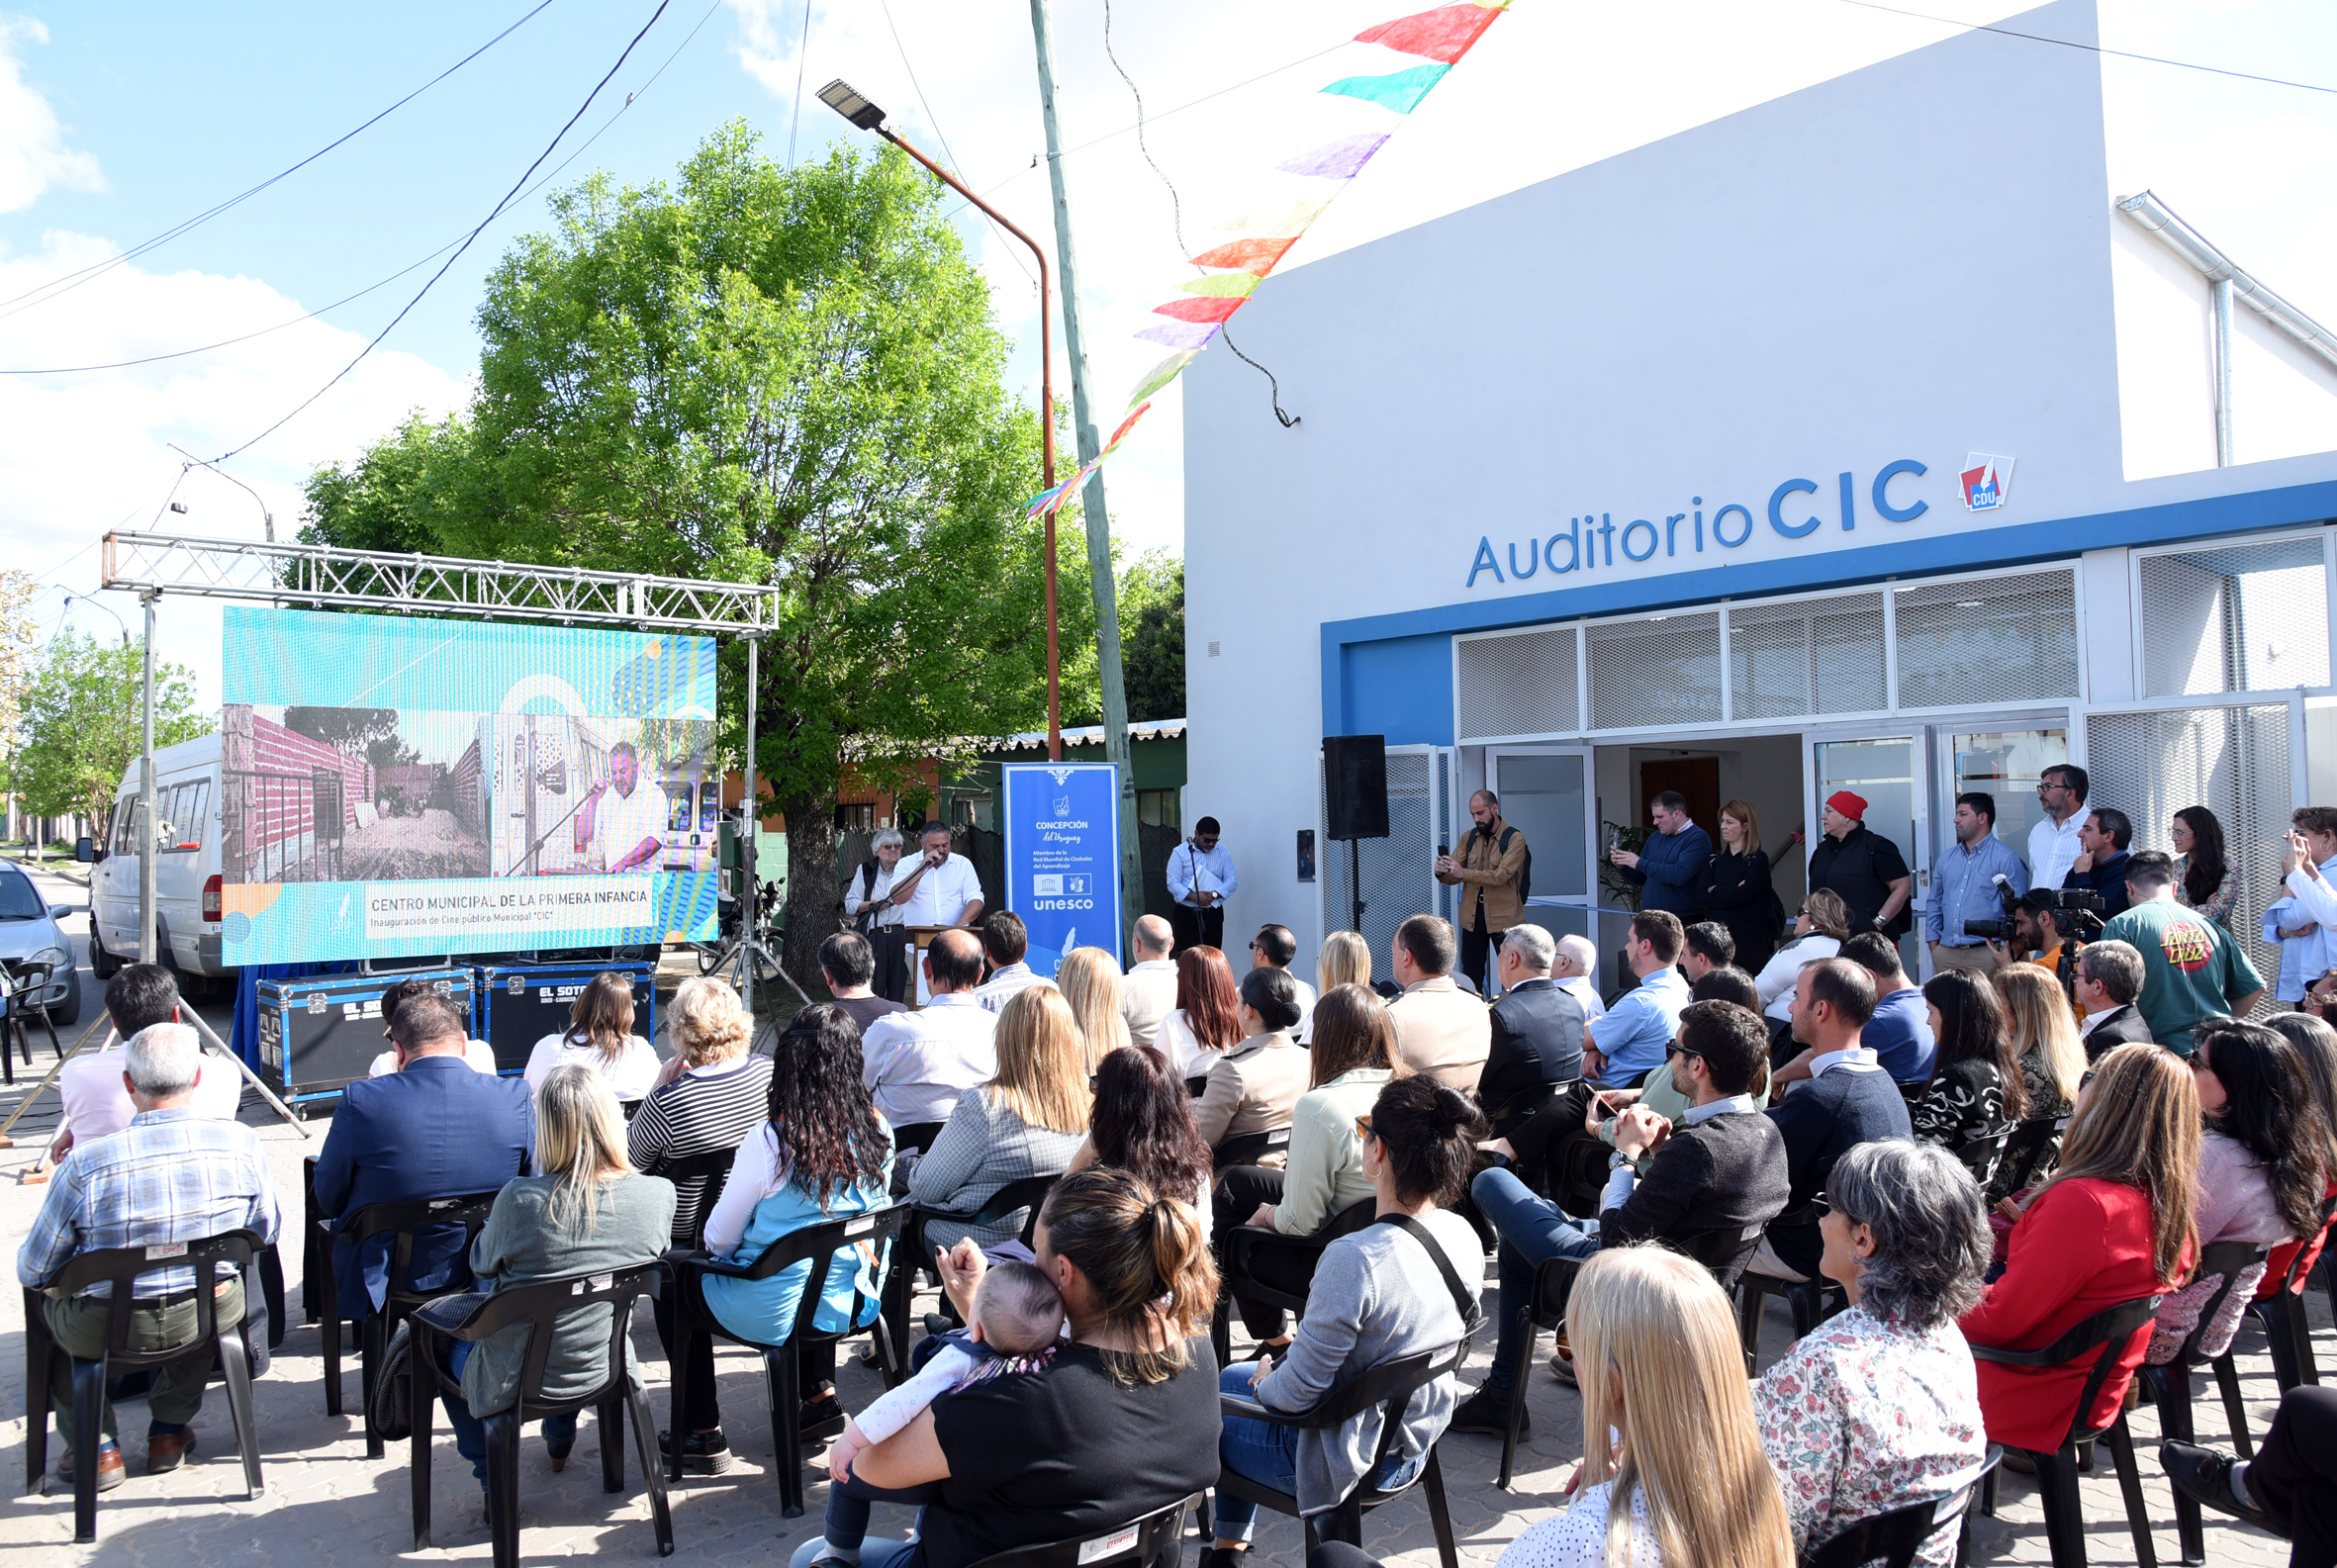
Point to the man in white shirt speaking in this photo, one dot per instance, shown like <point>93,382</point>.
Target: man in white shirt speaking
<point>939,888</point>
<point>1200,879</point>
<point>623,825</point>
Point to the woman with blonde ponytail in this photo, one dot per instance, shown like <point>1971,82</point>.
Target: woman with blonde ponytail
<point>1123,1423</point>
<point>1673,1474</point>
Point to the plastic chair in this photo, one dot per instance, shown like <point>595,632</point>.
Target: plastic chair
<point>2170,1384</point>
<point>1391,1385</point>
<point>1895,1536</point>
<point>401,1221</point>
<point>918,1136</point>
<point>1244,1244</point>
<point>2279,1307</point>
<point>713,1168</point>
<point>1196,1087</point>
<point>1812,1301</point>
<point>1156,1540</point>
<point>2057,1472</point>
<point>1248,1148</point>
<point>539,1306</point>
<point>913,1255</point>
<point>815,1245</point>
<point>120,1266</point>
<point>24,977</point>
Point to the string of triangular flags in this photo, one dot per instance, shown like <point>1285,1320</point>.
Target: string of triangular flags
<point>1440,37</point>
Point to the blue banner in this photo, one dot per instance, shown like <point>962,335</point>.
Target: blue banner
<point>1062,856</point>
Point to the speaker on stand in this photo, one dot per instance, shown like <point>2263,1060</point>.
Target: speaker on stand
<point>1354,787</point>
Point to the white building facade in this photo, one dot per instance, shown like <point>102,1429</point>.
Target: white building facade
<point>1858,440</point>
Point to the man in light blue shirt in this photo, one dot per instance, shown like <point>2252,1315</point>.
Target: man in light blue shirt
<point>1620,1047</point>
<point>1200,879</point>
<point>1963,885</point>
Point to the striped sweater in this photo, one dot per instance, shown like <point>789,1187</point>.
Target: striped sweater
<point>702,1110</point>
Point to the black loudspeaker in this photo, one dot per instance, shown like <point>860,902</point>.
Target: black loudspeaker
<point>1354,780</point>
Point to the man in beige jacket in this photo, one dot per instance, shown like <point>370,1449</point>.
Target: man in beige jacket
<point>1486,870</point>
<point>1440,1028</point>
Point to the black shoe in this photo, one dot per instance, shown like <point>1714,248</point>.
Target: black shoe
<point>703,1453</point>
<point>2205,1474</point>
<point>1486,1412</point>
<point>1221,1557</point>
<point>819,1418</point>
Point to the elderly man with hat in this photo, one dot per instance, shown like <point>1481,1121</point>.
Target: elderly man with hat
<point>1864,867</point>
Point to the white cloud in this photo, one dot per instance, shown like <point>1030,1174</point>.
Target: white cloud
<point>33,151</point>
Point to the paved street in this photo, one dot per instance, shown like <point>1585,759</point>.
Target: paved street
<point>327,1504</point>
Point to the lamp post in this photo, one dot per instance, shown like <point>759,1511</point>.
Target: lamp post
<point>267,518</point>
<point>854,106</point>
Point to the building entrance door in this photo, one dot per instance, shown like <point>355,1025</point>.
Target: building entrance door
<point>1889,773</point>
<point>1546,793</point>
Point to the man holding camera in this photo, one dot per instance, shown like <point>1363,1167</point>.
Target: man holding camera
<point>1965,885</point>
<point>2036,936</point>
<point>2192,967</point>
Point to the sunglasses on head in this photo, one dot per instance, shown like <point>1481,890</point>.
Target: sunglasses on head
<point>1363,1126</point>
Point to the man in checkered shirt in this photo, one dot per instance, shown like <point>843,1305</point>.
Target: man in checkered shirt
<point>170,1177</point>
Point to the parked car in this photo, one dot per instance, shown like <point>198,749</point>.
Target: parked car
<point>187,880</point>
<point>29,930</point>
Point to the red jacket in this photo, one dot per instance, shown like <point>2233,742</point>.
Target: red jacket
<point>2276,1263</point>
<point>2083,1248</point>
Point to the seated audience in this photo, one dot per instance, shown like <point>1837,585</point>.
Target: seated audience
<point>2289,1489</point>
<point>1820,928</point>
<point>849,967</point>
<point>2111,1225</point>
<point>2106,978</point>
<point>1731,985</point>
<point>1976,1089</point>
<point>1537,1031</point>
<point>1900,1032</point>
<point>2052,1061</point>
<point>1004,942</point>
<point>585,1211</point>
<point>1672,1474</point>
<point>1352,1059</point>
<point>1626,1042</point>
<point>1707,946</point>
<point>1576,970</point>
<point>1879,1407</point>
<point>1029,1120</point>
<point>1148,992</point>
<point>1255,1088</point>
<point>917,1064</point>
<point>96,1101</point>
<point>1143,1123</point>
<point>1089,978</point>
<point>1847,1100</point>
<point>433,1129</point>
<point>170,1177</point>
<point>600,1036</point>
<point>1206,1022</point>
<point>1440,1028</point>
<point>2315,1045</point>
<point>1659,1095</point>
<point>478,1052</point>
<point>821,1153</point>
<point>1345,959</point>
<point>1391,1290</point>
<point>1274,948</point>
<point>2263,1168</point>
<point>1721,1168</point>
<point>1123,1422</point>
<point>715,1092</point>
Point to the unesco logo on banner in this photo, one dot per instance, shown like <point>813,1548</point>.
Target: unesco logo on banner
<point>1062,873</point>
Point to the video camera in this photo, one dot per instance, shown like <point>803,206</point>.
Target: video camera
<point>2076,913</point>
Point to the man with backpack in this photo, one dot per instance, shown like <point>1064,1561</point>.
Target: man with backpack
<point>1494,870</point>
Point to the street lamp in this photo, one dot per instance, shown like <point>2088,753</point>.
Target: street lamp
<point>853,105</point>
<point>267,518</point>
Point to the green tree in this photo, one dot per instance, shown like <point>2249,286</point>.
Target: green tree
<point>1151,636</point>
<point>770,376</point>
<point>344,729</point>
<point>80,728</point>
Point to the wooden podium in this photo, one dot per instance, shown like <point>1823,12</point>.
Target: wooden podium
<point>920,937</point>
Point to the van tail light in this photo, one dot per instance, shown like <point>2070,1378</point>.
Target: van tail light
<point>212,895</point>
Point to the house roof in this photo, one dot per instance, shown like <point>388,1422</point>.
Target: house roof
<point>1158,729</point>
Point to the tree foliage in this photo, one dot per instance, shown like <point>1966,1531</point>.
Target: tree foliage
<point>1152,637</point>
<point>344,729</point>
<point>772,376</point>
<point>80,725</point>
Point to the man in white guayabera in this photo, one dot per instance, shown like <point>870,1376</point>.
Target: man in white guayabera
<point>621,825</point>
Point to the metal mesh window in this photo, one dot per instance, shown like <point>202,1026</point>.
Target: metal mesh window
<point>2251,617</point>
<point>1397,873</point>
<point>2234,761</point>
<point>1519,684</point>
<point>1661,671</point>
<point>2006,639</point>
<point>1812,656</point>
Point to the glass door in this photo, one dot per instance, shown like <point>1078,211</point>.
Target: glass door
<point>2005,764</point>
<point>1888,772</point>
<point>1546,793</point>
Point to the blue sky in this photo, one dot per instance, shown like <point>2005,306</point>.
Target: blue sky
<point>118,121</point>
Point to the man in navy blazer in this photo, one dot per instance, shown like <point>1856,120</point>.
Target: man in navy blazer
<point>433,1129</point>
<point>1537,1031</point>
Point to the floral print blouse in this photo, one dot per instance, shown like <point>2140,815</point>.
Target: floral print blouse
<point>1863,1416</point>
<point>1965,1103</point>
<point>2218,905</point>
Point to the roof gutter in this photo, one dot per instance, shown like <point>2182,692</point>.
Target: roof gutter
<point>2217,268</point>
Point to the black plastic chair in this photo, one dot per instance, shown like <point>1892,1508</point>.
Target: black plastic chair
<point>813,1245</point>
<point>711,1169</point>
<point>1196,1087</point>
<point>539,1306</point>
<point>22,979</point>
<point>2170,1384</point>
<point>1156,1540</point>
<point>1812,1301</point>
<point>913,1255</point>
<point>918,1136</point>
<point>2107,1332</point>
<point>400,1221</point>
<point>1390,1386</point>
<point>2026,1153</point>
<point>120,1266</point>
<point>1982,1155</point>
<point>1248,1148</point>
<point>1895,1536</point>
<point>1246,1244</point>
<point>2287,1332</point>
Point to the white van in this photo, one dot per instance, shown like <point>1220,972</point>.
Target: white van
<point>187,881</point>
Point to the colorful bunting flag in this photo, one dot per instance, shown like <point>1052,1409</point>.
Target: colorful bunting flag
<point>1233,285</point>
<point>1339,161</point>
<point>1181,335</point>
<point>1443,34</point>
<point>1198,310</point>
<point>1400,92</point>
<point>1248,256</point>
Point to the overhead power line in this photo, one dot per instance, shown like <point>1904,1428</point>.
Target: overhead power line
<point>43,293</point>
<point>2092,48</point>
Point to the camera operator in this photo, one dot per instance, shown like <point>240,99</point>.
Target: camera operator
<point>2035,937</point>
<point>2192,967</point>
